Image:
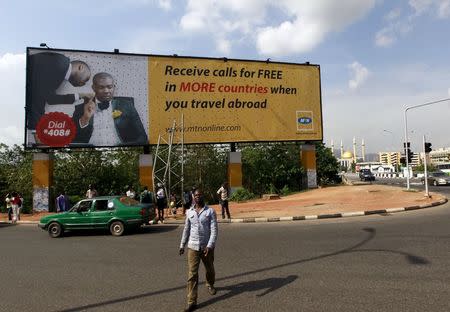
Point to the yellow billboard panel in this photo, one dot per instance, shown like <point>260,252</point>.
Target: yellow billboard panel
<point>234,100</point>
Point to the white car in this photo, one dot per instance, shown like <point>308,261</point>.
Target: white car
<point>437,178</point>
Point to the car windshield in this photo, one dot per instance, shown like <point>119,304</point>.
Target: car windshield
<point>438,174</point>
<point>74,208</point>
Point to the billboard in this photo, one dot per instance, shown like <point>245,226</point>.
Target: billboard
<point>98,99</point>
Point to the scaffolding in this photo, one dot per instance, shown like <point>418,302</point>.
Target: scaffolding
<point>168,164</point>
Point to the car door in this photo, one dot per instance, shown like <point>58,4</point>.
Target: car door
<point>102,212</point>
<point>79,217</point>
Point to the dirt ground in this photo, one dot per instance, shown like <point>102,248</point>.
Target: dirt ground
<point>314,202</point>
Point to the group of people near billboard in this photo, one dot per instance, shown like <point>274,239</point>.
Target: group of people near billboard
<point>14,202</point>
<point>101,119</point>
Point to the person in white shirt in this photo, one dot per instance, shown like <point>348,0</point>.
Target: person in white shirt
<point>161,202</point>
<point>224,192</point>
<point>200,236</point>
<point>91,192</point>
<point>131,193</point>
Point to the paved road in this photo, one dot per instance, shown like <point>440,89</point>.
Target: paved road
<point>395,262</point>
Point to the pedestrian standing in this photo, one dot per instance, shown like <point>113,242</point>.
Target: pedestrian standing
<point>224,192</point>
<point>15,201</point>
<point>20,206</point>
<point>62,202</point>
<point>91,192</point>
<point>146,196</point>
<point>131,193</point>
<point>187,201</point>
<point>200,235</point>
<point>8,206</point>
<point>161,202</point>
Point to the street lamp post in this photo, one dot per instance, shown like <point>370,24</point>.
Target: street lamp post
<point>406,132</point>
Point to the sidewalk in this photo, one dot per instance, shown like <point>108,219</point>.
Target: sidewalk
<point>329,202</point>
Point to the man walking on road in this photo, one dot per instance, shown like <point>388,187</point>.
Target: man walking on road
<point>200,234</point>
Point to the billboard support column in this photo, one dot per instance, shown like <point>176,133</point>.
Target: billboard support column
<point>234,172</point>
<point>145,170</point>
<point>42,181</point>
<point>308,161</point>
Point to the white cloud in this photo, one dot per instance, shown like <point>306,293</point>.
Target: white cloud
<point>312,22</point>
<point>444,9</point>
<point>165,4</point>
<point>305,25</point>
<point>393,14</point>
<point>384,37</point>
<point>398,25</point>
<point>12,92</point>
<point>359,75</point>
<point>223,46</point>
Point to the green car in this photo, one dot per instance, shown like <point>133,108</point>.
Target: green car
<point>116,213</point>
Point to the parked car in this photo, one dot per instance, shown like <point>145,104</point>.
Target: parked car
<point>437,178</point>
<point>366,175</point>
<point>116,213</point>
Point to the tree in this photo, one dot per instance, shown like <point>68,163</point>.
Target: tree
<point>110,171</point>
<point>327,165</point>
<point>205,167</point>
<point>15,173</point>
<point>271,167</point>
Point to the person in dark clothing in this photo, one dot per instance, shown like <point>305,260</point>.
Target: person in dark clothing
<point>47,71</point>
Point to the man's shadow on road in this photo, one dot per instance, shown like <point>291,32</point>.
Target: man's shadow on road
<point>269,284</point>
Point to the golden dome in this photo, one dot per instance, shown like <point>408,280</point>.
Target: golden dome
<point>347,155</point>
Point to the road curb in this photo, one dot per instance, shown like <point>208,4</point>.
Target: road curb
<point>300,218</point>
<point>329,215</point>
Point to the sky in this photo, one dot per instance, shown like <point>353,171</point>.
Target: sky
<point>376,57</point>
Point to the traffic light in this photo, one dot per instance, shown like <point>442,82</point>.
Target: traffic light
<point>427,147</point>
<point>403,161</point>
<point>410,155</point>
<point>406,145</point>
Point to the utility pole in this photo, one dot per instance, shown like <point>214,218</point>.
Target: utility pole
<point>425,168</point>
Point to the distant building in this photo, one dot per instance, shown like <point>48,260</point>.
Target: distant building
<point>416,160</point>
<point>375,167</point>
<point>440,156</point>
<point>389,158</point>
<point>393,159</point>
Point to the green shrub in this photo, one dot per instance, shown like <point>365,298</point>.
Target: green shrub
<point>73,199</point>
<point>272,189</point>
<point>285,191</point>
<point>241,194</point>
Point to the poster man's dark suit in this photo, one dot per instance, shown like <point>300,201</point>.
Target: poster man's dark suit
<point>128,125</point>
<point>47,71</point>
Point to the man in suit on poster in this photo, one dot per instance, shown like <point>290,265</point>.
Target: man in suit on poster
<point>106,120</point>
<point>47,71</point>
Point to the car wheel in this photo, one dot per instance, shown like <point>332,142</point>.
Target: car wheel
<point>435,183</point>
<point>55,229</point>
<point>117,228</point>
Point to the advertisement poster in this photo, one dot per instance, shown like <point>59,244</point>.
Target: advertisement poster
<point>234,100</point>
<point>86,99</point>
